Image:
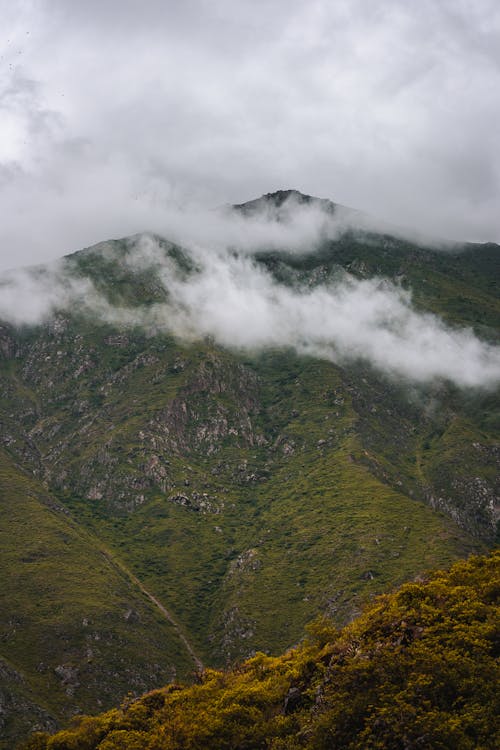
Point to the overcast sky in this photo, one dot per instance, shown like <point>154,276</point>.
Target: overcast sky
<point>113,110</point>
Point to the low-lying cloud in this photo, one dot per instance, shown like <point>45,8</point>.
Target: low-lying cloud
<point>388,106</point>
<point>237,302</point>
<point>240,305</point>
<point>294,222</point>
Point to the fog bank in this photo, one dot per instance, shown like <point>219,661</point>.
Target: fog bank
<point>236,301</point>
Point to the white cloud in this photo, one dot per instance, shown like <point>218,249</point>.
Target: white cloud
<point>241,306</point>
<point>111,111</point>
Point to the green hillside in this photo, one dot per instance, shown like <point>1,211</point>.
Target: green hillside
<point>242,493</point>
<point>418,668</point>
<point>73,626</point>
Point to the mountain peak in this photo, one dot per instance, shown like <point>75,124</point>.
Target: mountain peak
<point>278,198</point>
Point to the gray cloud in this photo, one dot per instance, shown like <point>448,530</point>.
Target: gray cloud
<point>112,111</point>
<point>239,304</point>
<point>30,296</point>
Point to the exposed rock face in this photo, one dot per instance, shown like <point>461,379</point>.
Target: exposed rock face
<point>217,404</point>
<point>68,675</point>
<point>19,712</point>
<point>250,492</point>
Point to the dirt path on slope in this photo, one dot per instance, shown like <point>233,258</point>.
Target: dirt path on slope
<point>153,599</point>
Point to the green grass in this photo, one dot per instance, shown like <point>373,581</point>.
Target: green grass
<point>322,477</point>
<point>416,668</point>
<point>64,604</point>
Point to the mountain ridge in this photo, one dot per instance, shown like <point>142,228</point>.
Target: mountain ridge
<point>247,490</point>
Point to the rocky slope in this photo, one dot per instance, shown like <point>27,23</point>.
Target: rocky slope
<point>245,491</point>
<point>418,669</point>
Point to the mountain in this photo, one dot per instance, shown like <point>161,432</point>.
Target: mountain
<point>417,669</point>
<point>186,483</point>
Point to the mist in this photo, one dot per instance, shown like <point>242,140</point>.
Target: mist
<point>236,301</point>
<point>391,109</point>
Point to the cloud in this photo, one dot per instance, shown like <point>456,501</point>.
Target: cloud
<point>240,305</point>
<point>112,111</point>
<point>30,296</point>
<point>236,301</point>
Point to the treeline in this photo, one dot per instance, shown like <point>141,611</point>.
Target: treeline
<point>418,670</point>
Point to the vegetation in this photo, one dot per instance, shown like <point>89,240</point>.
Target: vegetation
<point>245,495</point>
<point>418,669</point>
<point>73,629</point>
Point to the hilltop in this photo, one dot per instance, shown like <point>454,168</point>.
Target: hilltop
<point>170,498</point>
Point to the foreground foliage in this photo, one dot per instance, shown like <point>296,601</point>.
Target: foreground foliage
<point>418,669</point>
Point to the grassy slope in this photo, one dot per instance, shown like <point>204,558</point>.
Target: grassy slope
<point>316,531</point>
<point>71,625</point>
<point>417,669</point>
<point>316,478</point>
